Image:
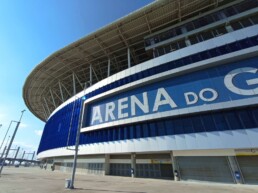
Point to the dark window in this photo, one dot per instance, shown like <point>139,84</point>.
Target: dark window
<point>233,120</point>
<point>132,132</point>
<point>234,46</point>
<point>189,26</point>
<point>153,129</point>
<point>174,46</point>
<point>115,134</point>
<point>161,51</point>
<point>126,133</point>
<point>138,130</point>
<point>230,11</point>
<point>214,52</point>
<point>187,125</point>
<point>145,129</point>
<point>255,115</point>
<point>204,55</point>
<point>121,133</point>
<point>221,30</point>
<point>169,127</point>
<point>208,123</point>
<point>254,40</point>
<point>254,19</point>
<point>196,58</point>
<point>181,44</point>
<point>246,43</point>
<point>197,124</point>
<point>178,31</point>
<point>246,5</point>
<point>161,128</point>
<point>220,122</point>
<point>178,127</point>
<point>105,135</point>
<point>247,119</point>
<point>199,23</point>
<point>193,39</point>
<point>167,49</point>
<point>246,22</point>
<point>207,35</point>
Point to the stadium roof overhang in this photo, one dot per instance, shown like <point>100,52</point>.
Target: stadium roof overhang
<point>67,71</point>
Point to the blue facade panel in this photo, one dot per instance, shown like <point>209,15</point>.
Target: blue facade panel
<point>60,129</point>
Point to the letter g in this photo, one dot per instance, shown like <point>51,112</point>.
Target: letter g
<point>228,81</point>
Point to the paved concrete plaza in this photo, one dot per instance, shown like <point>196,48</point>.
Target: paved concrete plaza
<point>35,180</point>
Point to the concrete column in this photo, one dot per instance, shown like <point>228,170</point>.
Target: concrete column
<point>175,167</point>
<point>235,169</point>
<point>133,165</point>
<point>107,165</point>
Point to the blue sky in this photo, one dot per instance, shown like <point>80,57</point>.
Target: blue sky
<point>30,31</point>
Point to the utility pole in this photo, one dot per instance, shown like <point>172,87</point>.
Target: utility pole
<point>77,144</point>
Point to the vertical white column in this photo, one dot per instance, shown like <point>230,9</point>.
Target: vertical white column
<point>133,165</point>
<point>107,164</point>
<point>175,167</point>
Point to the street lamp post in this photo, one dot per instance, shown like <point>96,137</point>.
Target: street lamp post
<point>7,141</point>
<point>7,133</point>
<point>77,144</point>
<point>2,153</point>
<point>10,144</point>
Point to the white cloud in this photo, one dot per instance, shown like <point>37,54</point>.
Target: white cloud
<point>24,145</point>
<point>23,125</point>
<point>2,115</point>
<point>38,132</point>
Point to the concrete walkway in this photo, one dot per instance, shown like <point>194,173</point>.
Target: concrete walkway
<point>35,180</point>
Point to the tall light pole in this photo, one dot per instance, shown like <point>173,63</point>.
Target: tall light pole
<point>7,133</point>
<point>77,144</point>
<point>10,144</point>
<point>6,144</point>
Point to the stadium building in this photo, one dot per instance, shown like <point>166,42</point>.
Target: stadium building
<point>168,91</point>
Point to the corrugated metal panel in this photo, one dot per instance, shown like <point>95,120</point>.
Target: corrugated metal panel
<point>215,169</point>
<point>249,168</point>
